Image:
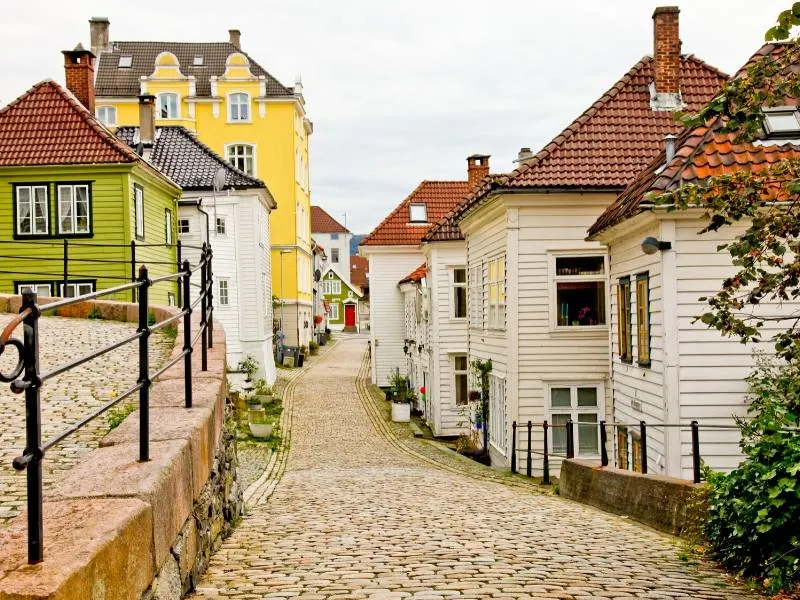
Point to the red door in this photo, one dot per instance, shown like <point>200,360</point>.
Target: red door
<point>349,315</point>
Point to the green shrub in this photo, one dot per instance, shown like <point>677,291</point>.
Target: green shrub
<point>754,511</point>
<point>313,347</point>
<point>94,314</point>
<point>116,415</point>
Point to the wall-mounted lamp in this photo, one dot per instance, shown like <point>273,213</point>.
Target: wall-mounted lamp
<point>405,348</point>
<point>420,347</point>
<point>651,245</point>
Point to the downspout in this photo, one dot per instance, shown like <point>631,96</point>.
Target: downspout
<point>208,221</point>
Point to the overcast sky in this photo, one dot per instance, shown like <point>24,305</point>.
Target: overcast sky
<point>404,91</point>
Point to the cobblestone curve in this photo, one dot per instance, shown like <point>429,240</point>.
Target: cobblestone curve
<point>355,516</point>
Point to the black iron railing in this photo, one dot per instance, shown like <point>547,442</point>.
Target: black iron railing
<point>26,376</point>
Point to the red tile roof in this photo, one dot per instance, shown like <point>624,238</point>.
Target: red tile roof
<point>359,271</point>
<point>614,139</point>
<point>322,222</point>
<point>48,126</point>
<point>415,275</point>
<point>447,229</point>
<point>439,197</point>
<point>701,153</point>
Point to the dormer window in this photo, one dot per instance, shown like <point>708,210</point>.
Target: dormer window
<point>198,61</point>
<point>418,213</point>
<point>782,122</point>
<point>125,62</point>
<point>168,106</point>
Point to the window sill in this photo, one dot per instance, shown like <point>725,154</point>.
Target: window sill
<point>229,122</point>
<point>587,331</point>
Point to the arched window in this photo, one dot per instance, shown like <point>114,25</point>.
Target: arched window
<point>168,106</point>
<point>242,156</point>
<point>239,107</point>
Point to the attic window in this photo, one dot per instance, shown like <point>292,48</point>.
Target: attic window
<point>198,61</point>
<point>782,122</point>
<point>125,62</point>
<point>418,213</point>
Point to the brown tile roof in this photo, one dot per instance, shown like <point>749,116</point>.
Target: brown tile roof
<point>48,126</point>
<point>359,271</point>
<point>614,139</point>
<point>322,222</point>
<point>415,275</point>
<point>113,81</point>
<point>447,229</point>
<point>439,197</point>
<point>701,153</point>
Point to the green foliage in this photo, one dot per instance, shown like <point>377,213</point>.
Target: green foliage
<point>115,416</point>
<point>248,366</point>
<point>313,347</point>
<point>95,314</point>
<point>261,388</point>
<point>171,331</point>
<point>401,391</point>
<point>754,511</point>
<point>482,369</point>
<point>151,318</point>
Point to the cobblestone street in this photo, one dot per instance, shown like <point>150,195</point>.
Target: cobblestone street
<point>68,397</point>
<point>356,516</point>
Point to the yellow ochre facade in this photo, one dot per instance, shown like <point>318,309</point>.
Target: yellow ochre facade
<point>248,118</point>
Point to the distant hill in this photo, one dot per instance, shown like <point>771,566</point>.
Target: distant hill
<point>354,241</point>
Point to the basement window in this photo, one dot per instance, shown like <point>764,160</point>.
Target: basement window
<point>125,62</point>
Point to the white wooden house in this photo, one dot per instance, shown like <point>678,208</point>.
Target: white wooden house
<point>665,366</point>
<point>334,237</point>
<point>537,290</point>
<point>416,344</point>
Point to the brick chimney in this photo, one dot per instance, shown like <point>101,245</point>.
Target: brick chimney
<point>147,119</point>
<point>477,168</point>
<point>98,33</point>
<point>235,37</point>
<point>79,70</point>
<point>666,59</point>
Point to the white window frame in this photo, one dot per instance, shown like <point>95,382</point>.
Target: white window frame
<point>553,285</point>
<point>574,410</point>
<point>73,188</point>
<point>76,288</point>
<point>334,313</point>
<point>335,256</point>
<point>497,287</point>
<point>220,226</point>
<point>453,287</point>
<point>498,407</point>
<point>36,287</point>
<point>475,313</point>
<point>223,291</point>
<point>32,214</point>
<point>238,106</point>
<point>184,221</point>
<point>460,372</point>
<point>177,106</point>
<point>232,153</point>
<point>418,206</point>
<point>138,209</point>
<point>168,226</point>
<point>107,115</point>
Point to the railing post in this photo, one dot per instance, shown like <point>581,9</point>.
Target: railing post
<point>546,464</point>
<point>643,437</point>
<point>66,267</point>
<point>696,451</point>
<point>33,428</point>
<point>210,279</point>
<point>133,269</point>
<point>528,465</point>
<point>187,333</point>
<point>570,439</point>
<point>514,447</point>
<point>603,443</point>
<point>179,249</point>
<point>144,368</point>
<point>203,308</point>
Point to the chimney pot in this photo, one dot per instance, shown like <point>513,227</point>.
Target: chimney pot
<point>669,147</point>
<point>147,119</point>
<point>524,154</point>
<point>666,59</point>
<point>98,34</point>
<point>79,74</point>
<point>477,168</point>
<point>235,37</point>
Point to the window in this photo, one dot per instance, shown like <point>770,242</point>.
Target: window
<point>497,293</point>
<point>476,296</point>
<point>168,226</point>
<point>220,225</point>
<point>459,297</point>
<point>781,122</point>
<point>242,156</point>
<point>73,209</point>
<point>461,382</point>
<point>40,289</point>
<point>624,319</point>
<point>239,107</point>
<point>643,319</point>
<point>418,213</point>
<point>332,287</point>
<point>198,61</point>
<point>184,226</point>
<point>334,236</point>
<point>32,207</point>
<point>580,291</point>
<point>76,289</point>
<point>107,115</point>
<point>222,292</point>
<point>497,413</point>
<point>168,107</point>
<point>125,62</point>
<point>138,210</point>
<point>582,405</point>
<point>334,255</point>
<point>622,448</point>
<point>334,314</point>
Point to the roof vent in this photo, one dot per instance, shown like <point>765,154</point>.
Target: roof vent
<point>669,146</point>
<point>523,155</point>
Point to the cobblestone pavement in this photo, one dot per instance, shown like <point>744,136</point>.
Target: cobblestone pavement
<point>357,516</point>
<point>68,397</point>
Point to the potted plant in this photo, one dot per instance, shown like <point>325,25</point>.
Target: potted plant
<point>402,397</point>
<point>259,426</point>
<point>262,393</point>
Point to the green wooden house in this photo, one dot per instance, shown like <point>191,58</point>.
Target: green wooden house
<point>340,300</point>
<point>70,188</point>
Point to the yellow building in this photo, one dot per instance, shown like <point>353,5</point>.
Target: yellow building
<point>243,113</point>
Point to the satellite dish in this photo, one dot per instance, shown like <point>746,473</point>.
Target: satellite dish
<point>219,179</point>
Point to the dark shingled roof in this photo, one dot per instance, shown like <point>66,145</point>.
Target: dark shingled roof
<point>187,161</point>
<point>113,81</point>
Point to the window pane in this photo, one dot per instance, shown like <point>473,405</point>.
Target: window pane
<point>560,397</point>
<point>587,396</point>
<point>461,363</point>
<point>581,303</point>
<point>459,275</point>
<point>588,434</point>
<point>40,210</point>
<point>580,265</point>
<point>782,121</point>
<point>559,434</point>
<point>418,213</point>
<point>461,389</point>
<point>460,303</point>
<point>24,209</point>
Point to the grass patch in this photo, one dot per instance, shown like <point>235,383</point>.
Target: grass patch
<point>117,415</point>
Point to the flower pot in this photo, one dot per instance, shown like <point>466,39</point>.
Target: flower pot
<point>401,412</point>
<point>261,430</point>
